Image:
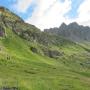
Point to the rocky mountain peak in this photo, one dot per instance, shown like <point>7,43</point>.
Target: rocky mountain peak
<point>63,25</point>
<point>73,32</point>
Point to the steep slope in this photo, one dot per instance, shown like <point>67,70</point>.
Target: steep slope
<point>35,60</point>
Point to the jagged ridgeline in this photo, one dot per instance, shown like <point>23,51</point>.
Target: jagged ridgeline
<point>73,32</point>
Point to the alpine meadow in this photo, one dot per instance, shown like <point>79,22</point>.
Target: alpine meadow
<point>53,59</point>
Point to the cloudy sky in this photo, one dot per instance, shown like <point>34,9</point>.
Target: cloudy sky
<point>50,13</point>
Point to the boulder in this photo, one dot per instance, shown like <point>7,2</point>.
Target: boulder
<point>33,49</point>
<point>52,53</point>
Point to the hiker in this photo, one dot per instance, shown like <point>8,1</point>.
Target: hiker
<point>8,57</point>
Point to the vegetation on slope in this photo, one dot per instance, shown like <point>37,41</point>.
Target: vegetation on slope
<point>27,63</point>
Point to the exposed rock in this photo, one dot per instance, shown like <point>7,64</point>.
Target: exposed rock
<point>73,32</point>
<point>52,53</point>
<point>33,49</point>
<point>2,32</point>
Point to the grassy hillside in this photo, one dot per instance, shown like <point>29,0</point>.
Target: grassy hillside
<point>21,68</point>
<point>35,60</point>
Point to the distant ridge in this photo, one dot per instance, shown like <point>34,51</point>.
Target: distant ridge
<point>73,31</point>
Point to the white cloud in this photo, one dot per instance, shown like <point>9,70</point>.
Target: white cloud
<point>49,13</point>
<point>83,14</point>
<point>22,5</point>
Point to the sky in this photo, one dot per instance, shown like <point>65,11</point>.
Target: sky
<point>50,13</point>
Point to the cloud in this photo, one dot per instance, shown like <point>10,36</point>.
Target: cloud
<point>49,13</point>
<point>83,17</point>
<point>84,13</point>
<point>22,5</point>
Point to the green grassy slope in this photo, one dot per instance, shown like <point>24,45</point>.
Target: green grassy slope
<point>22,68</point>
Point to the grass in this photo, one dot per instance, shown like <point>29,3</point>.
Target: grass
<point>29,71</point>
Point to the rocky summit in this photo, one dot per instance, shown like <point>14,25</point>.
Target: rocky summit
<point>73,32</point>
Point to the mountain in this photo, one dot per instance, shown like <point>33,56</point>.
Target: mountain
<point>73,32</point>
<point>34,60</point>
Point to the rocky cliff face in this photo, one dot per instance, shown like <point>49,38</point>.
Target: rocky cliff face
<point>7,20</point>
<point>15,23</point>
<point>73,31</point>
